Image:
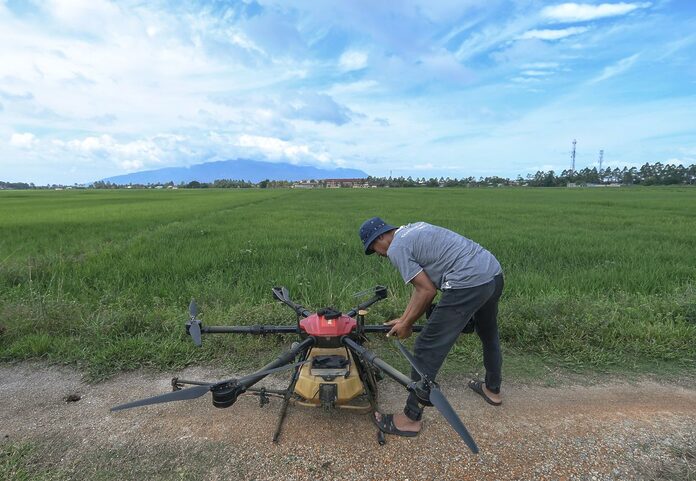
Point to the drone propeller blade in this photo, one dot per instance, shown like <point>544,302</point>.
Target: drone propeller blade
<point>198,391</point>
<point>440,402</point>
<point>193,326</point>
<point>365,292</point>
<point>193,308</point>
<point>184,394</point>
<point>243,380</point>
<point>195,331</point>
<point>409,357</point>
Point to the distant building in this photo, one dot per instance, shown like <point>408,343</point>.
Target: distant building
<point>304,184</point>
<point>336,183</point>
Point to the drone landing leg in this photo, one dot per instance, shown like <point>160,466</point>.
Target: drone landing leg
<point>367,374</point>
<point>286,399</point>
<point>283,412</point>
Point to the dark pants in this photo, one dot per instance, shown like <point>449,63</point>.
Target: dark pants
<point>458,307</point>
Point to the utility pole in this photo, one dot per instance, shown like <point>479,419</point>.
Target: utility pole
<point>572,158</point>
<point>601,158</point>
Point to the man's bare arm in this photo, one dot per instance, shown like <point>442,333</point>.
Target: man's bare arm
<point>422,296</point>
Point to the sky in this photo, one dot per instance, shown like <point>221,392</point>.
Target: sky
<point>93,88</point>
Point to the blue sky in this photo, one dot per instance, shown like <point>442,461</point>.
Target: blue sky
<point>92,88</point>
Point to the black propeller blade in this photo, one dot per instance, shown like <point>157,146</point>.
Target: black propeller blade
<point>409,357</point>
<point>184,394</point>
<point>194,325</point>
<point>243,380</point>
<point>440,402</point>
<point>193,309</point>
<point>198,391</point>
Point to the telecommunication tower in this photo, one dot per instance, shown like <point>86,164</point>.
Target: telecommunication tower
<point>601,158</point>
<point>572,158</point>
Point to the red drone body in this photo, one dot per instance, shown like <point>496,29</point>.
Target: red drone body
<point>327,325</point>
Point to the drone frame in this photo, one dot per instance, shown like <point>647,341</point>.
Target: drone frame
<point>316,330</point>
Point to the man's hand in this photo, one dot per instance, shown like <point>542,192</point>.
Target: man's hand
<point>400,329</point>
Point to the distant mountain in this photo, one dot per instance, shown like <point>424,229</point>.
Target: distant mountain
<point>240,169</point>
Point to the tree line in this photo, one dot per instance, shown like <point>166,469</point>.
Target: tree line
<point>648,174</point>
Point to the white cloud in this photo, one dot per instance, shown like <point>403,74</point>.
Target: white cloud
<point>426,166</point>
<point>536,73</point>
<point>131,164</point>
<point>552,34</point>
<point>541,65</point>
<point>245,42</point>
<point>23,141</point>
<point>132,155</point>
<point>361,86</point>
<point>352,60</point>
<point>279,149</point>
<point>618,68</point>
<point>581,12</point>
<point>85,15</point>
<point>489,37</point>
<point>525,80</point>
<point>90,144</point>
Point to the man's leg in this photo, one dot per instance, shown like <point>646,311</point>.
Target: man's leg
<point>486,319</point>
<point>453,312</point>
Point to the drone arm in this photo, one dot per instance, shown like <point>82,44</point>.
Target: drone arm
<point>371,358</point>
<point>281,293</point>
<point>249,329</point>
<point>285,358</point>
<point>380,293</point>
<point>386,328</point>
<point>362,306</point>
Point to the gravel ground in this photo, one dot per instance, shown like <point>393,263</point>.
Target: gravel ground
<point>602,432</point>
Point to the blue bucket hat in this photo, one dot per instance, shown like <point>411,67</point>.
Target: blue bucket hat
<point>370,230</point>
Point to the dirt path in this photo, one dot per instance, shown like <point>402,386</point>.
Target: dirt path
<point>603,432</point>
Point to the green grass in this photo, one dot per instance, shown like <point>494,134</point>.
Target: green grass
<point>595,279</point>
<point>18,462</point>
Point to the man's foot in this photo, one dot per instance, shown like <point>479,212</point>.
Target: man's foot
<point>398,424</point>
<point>479,387</point>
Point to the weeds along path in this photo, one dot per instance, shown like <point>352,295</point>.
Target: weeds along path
<point>619,431</point>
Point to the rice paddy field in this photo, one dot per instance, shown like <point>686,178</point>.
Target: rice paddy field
<point>596,279</point>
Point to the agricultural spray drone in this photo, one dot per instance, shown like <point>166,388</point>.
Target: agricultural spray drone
<point>330,366</point>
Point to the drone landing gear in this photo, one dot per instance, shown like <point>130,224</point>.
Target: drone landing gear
<point>281,418</point>
<point>286,399</point>
<point>370,375</point>
<point>381,439</point>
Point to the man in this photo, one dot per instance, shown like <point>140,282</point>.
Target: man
<point>471,281</point>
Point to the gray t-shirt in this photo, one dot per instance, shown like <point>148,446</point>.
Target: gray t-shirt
<point>450,260</point>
